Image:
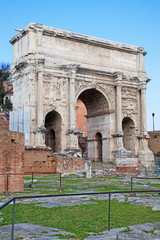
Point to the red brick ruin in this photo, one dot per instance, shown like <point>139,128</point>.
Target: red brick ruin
<point>12,160</point>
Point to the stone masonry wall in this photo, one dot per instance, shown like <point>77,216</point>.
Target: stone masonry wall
<point>39,160</point>
<point>154,141</point>
<point>11,160</point>
<point>67,164</point>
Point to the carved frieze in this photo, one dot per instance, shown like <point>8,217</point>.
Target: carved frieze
<point>130,104</point>
<point>129,93</point>
<point>55,89</point>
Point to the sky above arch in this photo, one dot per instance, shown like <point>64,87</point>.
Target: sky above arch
<point>135,22</point>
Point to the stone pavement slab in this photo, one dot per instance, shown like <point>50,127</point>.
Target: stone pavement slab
<point>31,231</point>
<point>37,232</point>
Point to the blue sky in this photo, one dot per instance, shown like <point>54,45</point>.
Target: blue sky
<point>135,22</point>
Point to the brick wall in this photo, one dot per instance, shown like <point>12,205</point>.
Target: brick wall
<point>42,160</point>
<point>154,141</point>
<point>39,160</point>
<point>67,164</point>
<point>3,122</point>
<point>127,169</point>
<point>11,160</point>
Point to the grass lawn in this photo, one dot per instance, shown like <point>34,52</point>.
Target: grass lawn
<point>80,220</point>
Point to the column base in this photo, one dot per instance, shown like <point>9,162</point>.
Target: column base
<point>146,162</point>
<point>119,140</point>
<point>126,162</point>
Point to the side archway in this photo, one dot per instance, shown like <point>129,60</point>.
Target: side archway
<point>53,135</point>
<point>99,146</point>
<point>128,134</point>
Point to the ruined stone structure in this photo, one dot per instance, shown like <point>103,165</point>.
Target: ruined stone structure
<point>11,160</point>
<point>53,68</point>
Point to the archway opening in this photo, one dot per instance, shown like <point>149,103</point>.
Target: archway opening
<point>99,146</point>
<point>128,134</point>
<point>92,116</point>
<point>53,135</point>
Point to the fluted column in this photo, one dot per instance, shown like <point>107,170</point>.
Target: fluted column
<point>72,115</point>
<point>40,69</point>
<point>143,109</point>
<point>72,131</point>
<point>40,130</point>
<point>119,132</point>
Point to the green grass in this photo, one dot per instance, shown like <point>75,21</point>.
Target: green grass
<point>80,220</point>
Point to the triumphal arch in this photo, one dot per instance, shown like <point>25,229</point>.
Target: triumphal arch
<point>53,68</point>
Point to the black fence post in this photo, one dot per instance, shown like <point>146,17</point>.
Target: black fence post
<point>13,217</point>
<point>7,181</point>
<point>131,183</point>
<point>109,205</point>
<point>60,181</point>
<point>32,177</point>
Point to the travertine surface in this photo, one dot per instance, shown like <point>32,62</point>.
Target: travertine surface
<point>52,68</point>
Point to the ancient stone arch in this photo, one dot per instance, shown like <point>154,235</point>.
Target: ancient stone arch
<point>52,68</point>
<point>99,146</point>
<point>53,133</point>
<point>98,120</point>
<point>128,134</point>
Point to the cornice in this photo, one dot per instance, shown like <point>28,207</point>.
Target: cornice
<point>50,31</point>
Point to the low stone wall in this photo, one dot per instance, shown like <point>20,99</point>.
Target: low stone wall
<point>65,164</point>
<point>11,161</point>
<point>127,169</point>
<point>39,160</point>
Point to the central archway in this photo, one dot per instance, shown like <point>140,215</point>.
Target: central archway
<point>98,124</point>
<point>53,135</point>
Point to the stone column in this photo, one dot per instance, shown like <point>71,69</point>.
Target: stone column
<point>72,111</point>
<point>145,156</point>
<point>119,132</point>
<point>40,129</point>
<point>72,131</point>
<point>143,110</point>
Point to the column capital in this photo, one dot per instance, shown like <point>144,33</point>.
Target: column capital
<point>72,69</point>
<point>118,75</point>
<point>143,86</point>
<point>40,64</point>
<point>118,78</point>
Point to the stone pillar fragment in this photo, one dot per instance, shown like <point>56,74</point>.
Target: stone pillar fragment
<point>88,165</point>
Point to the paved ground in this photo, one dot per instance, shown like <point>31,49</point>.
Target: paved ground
<point>146,231</point>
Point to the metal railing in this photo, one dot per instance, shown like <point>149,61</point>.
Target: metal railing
<point>32,178</point>
<point>70,195</point>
